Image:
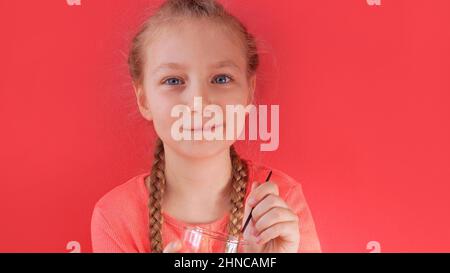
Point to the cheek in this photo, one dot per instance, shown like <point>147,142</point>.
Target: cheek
<point>161,106</point>
<point>234,96</point>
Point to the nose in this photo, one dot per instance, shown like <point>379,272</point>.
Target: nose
<point>197,96</point>
<point>197,93</point>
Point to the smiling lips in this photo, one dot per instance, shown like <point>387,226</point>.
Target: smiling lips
<point>206,128</point>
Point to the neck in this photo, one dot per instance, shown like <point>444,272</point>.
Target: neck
<point>196,182</point>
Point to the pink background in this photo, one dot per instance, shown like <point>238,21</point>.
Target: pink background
<point>364,94</point>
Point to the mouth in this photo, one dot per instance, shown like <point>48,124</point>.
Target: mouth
<point>204,128</point>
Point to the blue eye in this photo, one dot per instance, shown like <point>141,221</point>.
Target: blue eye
<point>173,81</point>
<point>222,79</point>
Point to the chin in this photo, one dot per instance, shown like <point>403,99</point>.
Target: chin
<point>200,149</point>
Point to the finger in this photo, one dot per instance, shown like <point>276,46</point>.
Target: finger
<point>172,247</point>
<point>269,202</point>
<point>262,191</point>
<point>247,207</point>
<point>273,216</point>
<point>287,230</point>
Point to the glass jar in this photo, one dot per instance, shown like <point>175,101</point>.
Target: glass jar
<point>200,240</point>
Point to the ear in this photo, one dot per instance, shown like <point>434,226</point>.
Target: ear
<point>252,87</point>
<point>142,102</point>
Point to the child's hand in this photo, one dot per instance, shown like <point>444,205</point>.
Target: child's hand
<point>274,227</point>
<point>173,247</point>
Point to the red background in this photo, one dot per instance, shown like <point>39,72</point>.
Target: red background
<point>364,107</point>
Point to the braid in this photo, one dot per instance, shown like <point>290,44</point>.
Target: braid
<point>157,181</point>
<point>157,184</point>
<point>239,185</point>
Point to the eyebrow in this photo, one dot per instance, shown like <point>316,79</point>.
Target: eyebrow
<point>169,66</point>
<point>226,63</point>
<point>221,64</point>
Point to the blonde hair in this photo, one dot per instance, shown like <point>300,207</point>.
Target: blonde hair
<point>180,9</point>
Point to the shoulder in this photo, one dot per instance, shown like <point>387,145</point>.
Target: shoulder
<point>117,218</point>
<point>124,199</point>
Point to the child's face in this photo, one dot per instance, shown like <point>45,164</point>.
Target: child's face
<point>195,58</point>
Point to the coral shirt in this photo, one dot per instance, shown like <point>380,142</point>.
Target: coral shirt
<point>120,218</point>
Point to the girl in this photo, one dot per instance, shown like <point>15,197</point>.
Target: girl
<point>187,49</point>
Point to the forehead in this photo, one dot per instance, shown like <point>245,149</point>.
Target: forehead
<point>195,42</point>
